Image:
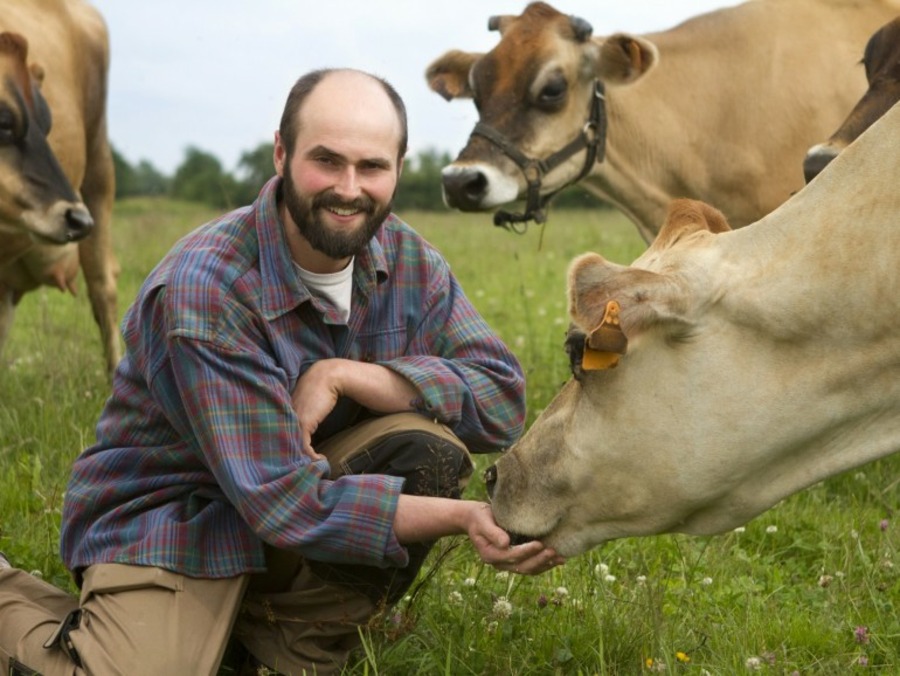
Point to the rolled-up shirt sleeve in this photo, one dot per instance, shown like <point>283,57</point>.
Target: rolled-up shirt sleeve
<point>236,405</point>
<point>467,377</point>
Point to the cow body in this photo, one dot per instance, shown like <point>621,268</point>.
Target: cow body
<point>882,63</point>
<point>758,362</point>
<point>721,108</point>
<point>56,188</point>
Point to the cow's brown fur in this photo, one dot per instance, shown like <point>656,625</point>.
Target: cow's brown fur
<point>720,108</point>
<point>882,64</point>
<point>60,49</point>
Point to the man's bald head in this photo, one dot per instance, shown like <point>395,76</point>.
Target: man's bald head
<point>348,79</point>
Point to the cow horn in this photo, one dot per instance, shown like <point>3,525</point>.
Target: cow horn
<point>499,22</point>
<point>581,28</point>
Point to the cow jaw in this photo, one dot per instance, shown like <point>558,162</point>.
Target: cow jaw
<point>572,486</point>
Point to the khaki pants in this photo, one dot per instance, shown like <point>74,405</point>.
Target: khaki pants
<point>301,617</point>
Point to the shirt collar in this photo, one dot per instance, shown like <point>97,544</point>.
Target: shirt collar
<point>282,291</point>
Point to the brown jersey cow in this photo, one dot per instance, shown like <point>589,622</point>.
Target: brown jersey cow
<point>721,108</point>
<point>882,63</point>
<point>732,368</point>
<point>56,169</point>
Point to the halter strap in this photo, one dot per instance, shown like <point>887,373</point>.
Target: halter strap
<point>591,138</point>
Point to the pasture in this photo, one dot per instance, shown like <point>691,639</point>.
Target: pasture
<point>810,587</point>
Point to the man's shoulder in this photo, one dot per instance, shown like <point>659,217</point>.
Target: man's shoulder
<point>398,234</point>
<point>214,253</point>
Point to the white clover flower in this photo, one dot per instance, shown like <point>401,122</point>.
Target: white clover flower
<point>771,529</point>
<point>561,592</point>
<point>455,597</point>
<point>601,569</point>
<point>740,529</point>
<point>502,608</point>
<point>706,581</point>
<point>641,579</point>
<point>609,578</point>
<point>502,575</point>
<point>469,582</point>
<point>825,580</point>
<point>753,663</point>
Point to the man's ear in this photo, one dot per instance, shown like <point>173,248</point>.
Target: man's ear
<point>279,154</point>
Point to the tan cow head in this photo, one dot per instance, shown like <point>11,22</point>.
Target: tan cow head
<point>882,61</point>
<point>36,197</point>
<point>539,94</point>
<point>547,486</point>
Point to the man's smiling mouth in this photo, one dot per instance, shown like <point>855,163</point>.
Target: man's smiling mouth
<point>343,211</point>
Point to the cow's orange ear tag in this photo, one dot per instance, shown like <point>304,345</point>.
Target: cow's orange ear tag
<point>606,343</point>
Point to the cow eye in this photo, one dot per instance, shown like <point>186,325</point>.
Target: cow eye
<point>553,93</point>
<point>7,125</point>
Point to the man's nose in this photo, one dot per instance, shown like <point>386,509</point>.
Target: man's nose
<point>347,185</point>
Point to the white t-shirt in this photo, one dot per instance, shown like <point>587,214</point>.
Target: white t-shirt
<point>336,287</point>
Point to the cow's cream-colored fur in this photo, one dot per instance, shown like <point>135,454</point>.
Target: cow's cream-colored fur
<point>759,361</point>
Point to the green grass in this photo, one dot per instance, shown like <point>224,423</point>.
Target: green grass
<point>788,591</point>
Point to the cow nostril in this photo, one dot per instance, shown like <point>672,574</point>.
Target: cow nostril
<point>465,188</point>
<point>490,478</point>
<point>476,185</point>
<point>78,222</point>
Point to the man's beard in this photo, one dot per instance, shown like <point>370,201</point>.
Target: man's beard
<point>336,245</point>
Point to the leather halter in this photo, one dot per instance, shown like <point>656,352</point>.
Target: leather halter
<point>592,138</point>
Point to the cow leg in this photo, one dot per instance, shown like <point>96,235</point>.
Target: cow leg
<point>98,261</point>
<point>7,310</point>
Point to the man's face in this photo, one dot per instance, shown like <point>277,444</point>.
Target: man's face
<point>341,175</point>
<point>314,215</point>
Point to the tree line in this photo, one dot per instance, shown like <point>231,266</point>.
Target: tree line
<point>201,178</point>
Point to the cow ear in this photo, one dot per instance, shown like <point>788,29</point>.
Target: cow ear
<point>686,217</point>
<point>448,75</point>
<point>646,299</point>
<point>625,58</point>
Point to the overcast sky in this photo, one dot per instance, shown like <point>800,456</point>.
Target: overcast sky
<point>214,74</point>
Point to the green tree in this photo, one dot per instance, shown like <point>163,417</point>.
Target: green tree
<point>200,178</point>
<point>126,181</point>
<point>149,180</point>
<point>420,182</point>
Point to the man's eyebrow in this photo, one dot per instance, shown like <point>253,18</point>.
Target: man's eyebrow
<point>325,151</point>
<point>320,151</point>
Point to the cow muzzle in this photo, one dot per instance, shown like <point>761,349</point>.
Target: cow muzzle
<point>79,223</point>
<point>62,223</point>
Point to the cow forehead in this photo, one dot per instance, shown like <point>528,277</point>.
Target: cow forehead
<point>528,43</point>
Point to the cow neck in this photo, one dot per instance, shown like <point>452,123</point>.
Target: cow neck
<point>592,138</point>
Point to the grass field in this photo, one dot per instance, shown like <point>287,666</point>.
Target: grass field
<point>812,586</point>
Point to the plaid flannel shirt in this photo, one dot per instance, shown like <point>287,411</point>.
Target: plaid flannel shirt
<point>198,459</point>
